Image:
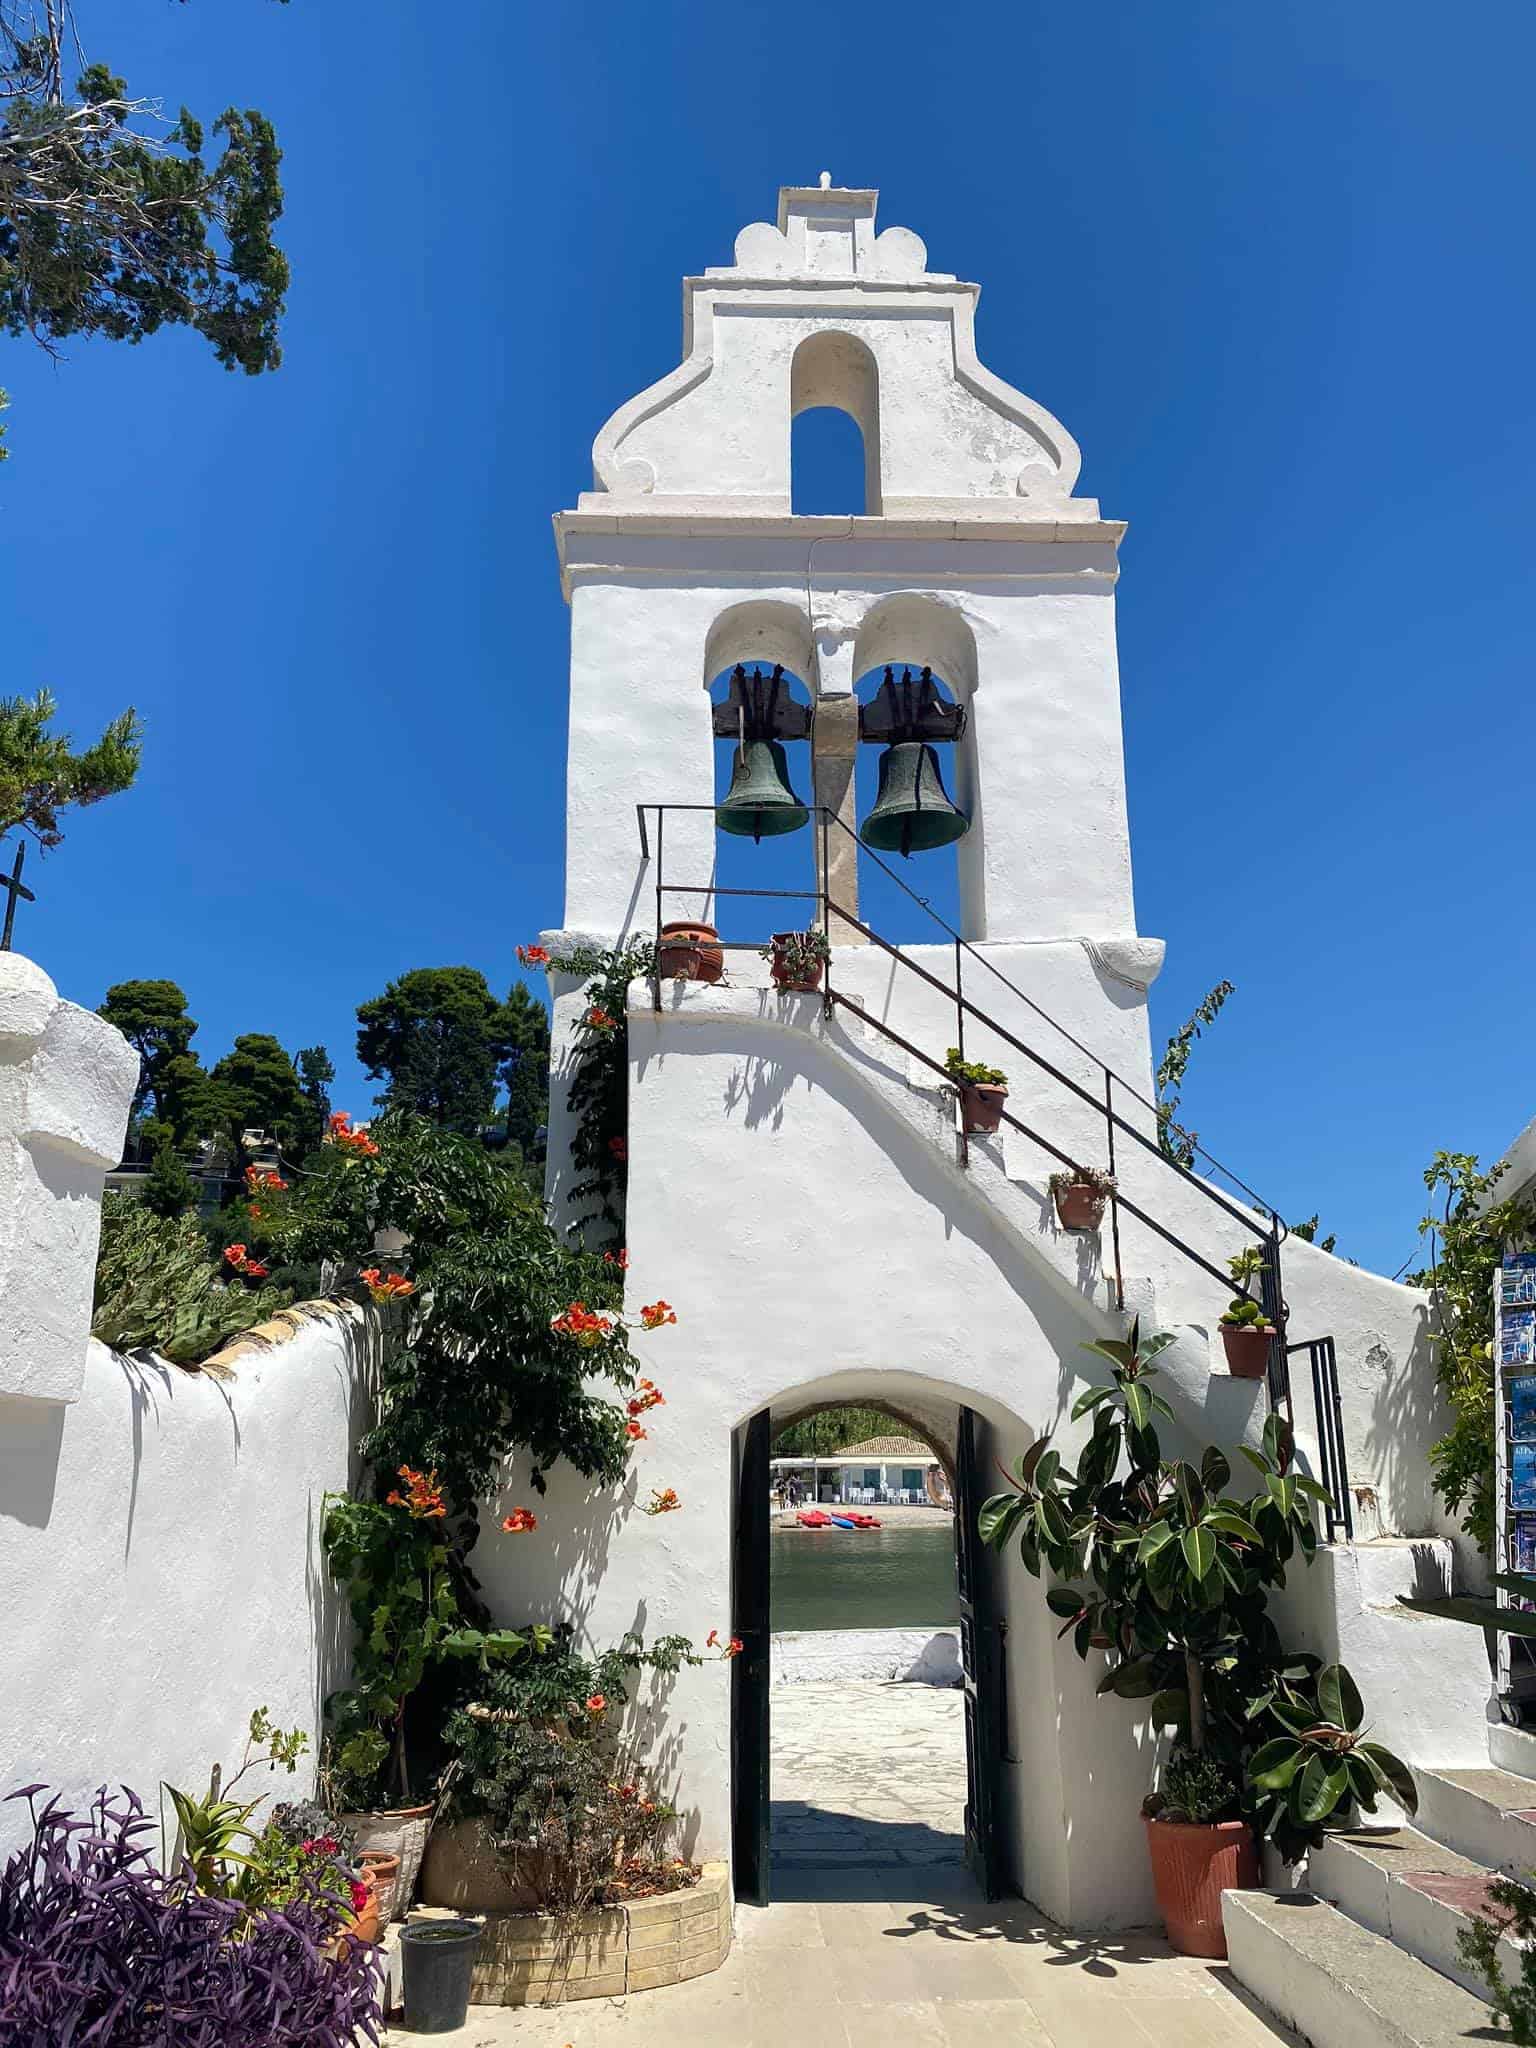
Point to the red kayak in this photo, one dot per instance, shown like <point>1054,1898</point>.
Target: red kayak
<point>813,1518</point>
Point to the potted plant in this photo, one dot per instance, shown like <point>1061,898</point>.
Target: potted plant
<point>797,960</point>
<point>1245,1329</point>
<point>1171,1575</point>
<point>982,1090</point>
<point>1081,1192</point>
<point>689,950</point>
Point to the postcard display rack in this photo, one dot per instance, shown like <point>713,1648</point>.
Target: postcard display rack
<point>1514,1348</point>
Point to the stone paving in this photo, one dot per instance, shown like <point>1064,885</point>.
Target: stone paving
<point>877,1937</point>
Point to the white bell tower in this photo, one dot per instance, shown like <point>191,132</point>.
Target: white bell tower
<point>975,557</point>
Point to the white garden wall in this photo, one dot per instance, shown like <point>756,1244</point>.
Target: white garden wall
<point>159,1554</point>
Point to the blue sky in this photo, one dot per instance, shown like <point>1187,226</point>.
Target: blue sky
<point>1271,266</point>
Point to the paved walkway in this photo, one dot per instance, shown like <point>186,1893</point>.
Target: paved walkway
<point>877,1938</point>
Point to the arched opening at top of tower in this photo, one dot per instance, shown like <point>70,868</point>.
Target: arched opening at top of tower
<point>833,373</point>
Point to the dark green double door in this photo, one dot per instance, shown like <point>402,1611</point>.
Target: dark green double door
<point>981,1659</point>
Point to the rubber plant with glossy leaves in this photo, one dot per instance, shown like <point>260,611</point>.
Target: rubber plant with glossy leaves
<point>1169,1573</point>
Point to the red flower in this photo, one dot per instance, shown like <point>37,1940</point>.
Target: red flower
<point>584,1324</point>
<point>361,1894</point>
<point>711,1639</point>
<point>253,1269</point>
<point>386,1286</point>
<point>622,1260</point>
<point>662,1502</point>
<point>597,1703</point>
<point>626,1791</point>
<point>598,1019</point>
<point>424,1497</point>
<point>234,1255</point>
<point>734,1647</point>
<point>655,1313</point>
<point>520,1521</point>
<point>319,1845</point>
<point>634,1432</point>
<point>619,1147</point>
<point>533,956</point>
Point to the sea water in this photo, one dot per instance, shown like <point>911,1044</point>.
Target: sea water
<point>901,1577</point>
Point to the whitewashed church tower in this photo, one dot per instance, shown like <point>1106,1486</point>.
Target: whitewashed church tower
<point>798,1188</point>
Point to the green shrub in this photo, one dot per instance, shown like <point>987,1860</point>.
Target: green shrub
<point>1195,1788</point>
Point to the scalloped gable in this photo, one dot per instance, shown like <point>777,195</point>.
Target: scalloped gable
<point>714,434</point>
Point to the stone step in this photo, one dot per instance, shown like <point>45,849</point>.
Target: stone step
<point>1416,1892</point>
<point>1489,1815</point>
<point>1338,1984</point>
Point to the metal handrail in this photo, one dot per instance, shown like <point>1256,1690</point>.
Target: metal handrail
<point>830,817</point>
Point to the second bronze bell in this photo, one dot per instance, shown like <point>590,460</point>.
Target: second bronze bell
<point>760,803</point>
<point>912,812</point>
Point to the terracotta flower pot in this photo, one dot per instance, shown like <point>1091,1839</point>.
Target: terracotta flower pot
<point>690,951</point>
<point>1080,1206</point>
<point>1247,1350</point>
<point>803,984</point>
<point>384,1868</point>
<point>1192,1865</point>
<point>981,1107</point>
<point>367,1922</point>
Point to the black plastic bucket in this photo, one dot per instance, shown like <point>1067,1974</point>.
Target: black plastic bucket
<point>438,1957</point>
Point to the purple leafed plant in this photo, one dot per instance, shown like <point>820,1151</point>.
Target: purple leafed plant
<point>99,1949</point>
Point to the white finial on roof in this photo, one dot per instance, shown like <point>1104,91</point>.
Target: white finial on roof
<point>826,181</point>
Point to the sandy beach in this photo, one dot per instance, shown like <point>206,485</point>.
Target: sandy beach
<point>889,1518</point>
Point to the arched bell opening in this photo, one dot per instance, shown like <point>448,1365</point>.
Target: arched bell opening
<point>834,419</point>
<point>761,718</point>
<point>907,787</point>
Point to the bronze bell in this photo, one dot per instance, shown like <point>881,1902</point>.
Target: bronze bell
<point>760,803</point>
<point>912,812</point>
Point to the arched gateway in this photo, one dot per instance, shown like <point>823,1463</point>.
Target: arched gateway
<point>797,1183</point>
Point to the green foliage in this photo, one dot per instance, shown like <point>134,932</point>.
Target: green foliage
<point>598,1091</point>
<point>152,1016</point>
<point>1307,1231</point>
<point>475,1372</point>
<point>157,1288</point>
<point>436,1037</point>
<point>255,1087</point>
<point>407,1604</point>
<point>1467,1240</point>
<point>108,227</point>
<point>972,1073</point>
<point>799,954</point>
<point>208,1828</point>
<point>1244,1313</point>
<point>1509,1914</point>
<point>833,1429</point>
<point>525,1071</point>
<point>316,1073</point>
<point>1173,1576</point>
<point>1320,1769</point>
<point>1485,1613</point>
<point>1178,1144</point>
<point>559,1798</point>
<point>40,772</point>
<point>1195,1788</point>
<point>169,1189</point>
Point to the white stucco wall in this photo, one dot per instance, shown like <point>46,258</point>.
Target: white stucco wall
<point>159,1554</point>
<point>67,1080</point>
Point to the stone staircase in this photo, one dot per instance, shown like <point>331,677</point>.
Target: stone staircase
<point>1367,1955</point>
